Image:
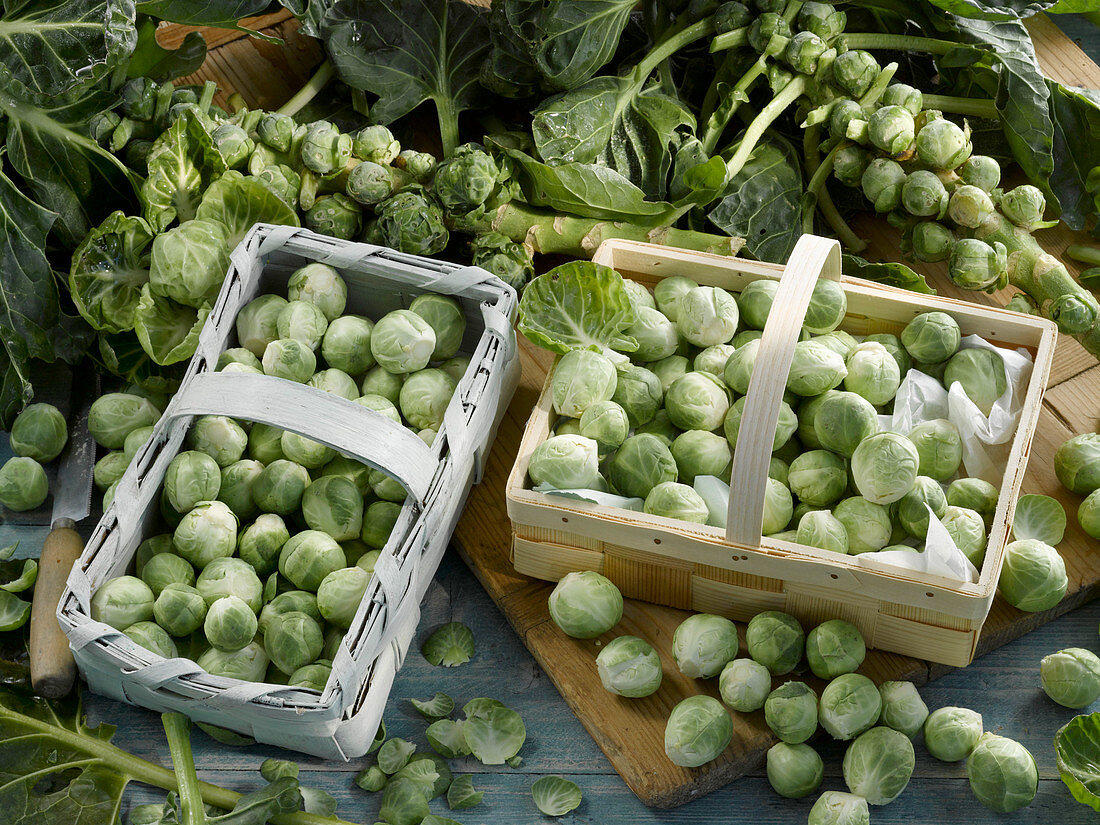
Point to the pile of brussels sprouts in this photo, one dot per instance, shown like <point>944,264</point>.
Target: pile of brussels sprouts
<point>270,538</point>
<point>879,721</point>
<point>662,427</point>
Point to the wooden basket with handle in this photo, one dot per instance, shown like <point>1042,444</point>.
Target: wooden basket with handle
<point>738,572</point>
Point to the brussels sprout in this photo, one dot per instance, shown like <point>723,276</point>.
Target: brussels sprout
<point>276,130</point>
<point>565,462</point>
<point>386,487</point>
<point>744,685</point>
<point>219,437</point>
<point>39,432</point>
<point>265,443</point>
<point>879,764</point>
<point>411,223</point>
<point>333,505</point>
<point>230,577</point>
<point>606,423</point>
<point>320,286</point>
<point>882,183</point>
<point>981,171</point>
<point>700,453</point>
<point>582,377</point>
<point>378,522</point>
<point>257,323</point>
<point>188,262</point>
<point>308,557</point>
<point>324,148</point>
<point>900,94</point>
<point>629,666</point>
<point>850,704</point>
<point>973,494</point>
<point>1023,303</point>
<point>305,451</point>
<point>302,321</point>
<point>1002,774</point>
<point>279,488</point>
<point>818,478</point>
<point>755,302</point>
<point>456,367</point>
<point>765,27</point>
<point>967,530</point>
<point>794,771</point>
<point>191,477</point>
<point>834,648</point>
<point>970,207</point>
<point>336,382</point>
<point>706,316</point>
<point>503,257</point>
<point>807,412</point>
<point>1071,677</point>
<point>939,448</point>
<point>837,808</point>
<point>785,427</point>
<point>290,601</point>
<point>697,401</point>
<point>775,640</point>
<point>891,129</point>
<point>739,367</point>
<point>713,359</point>
<point>656,335</point>
<point>23,484</point>
<point>585,604</point>
<point>873,373</point>
<point>115,415</point>
<point>819,528</point>
<point>639,392</point>
<point>164,569</point>
<point>380,405</point>
<point>932,241</point>
<point>698,730</point>
<point>884,467</point>
<point>931,337</point>
<point>291,359</point>
<point>839,341</point>
<point>424,398</point>
<point>312,677</point>
<point>355,471</point>
<point>942,146</point>
<point>854,71</point>
<point>951,733</point>
<point>238,355</point>
<point>669,292</point>
<point>346,344</point>
<point>1077,463</point>
<point>248,664</point>
<point>703,644</point>
<point>662,427</point>
<point>1024,206</point>
<point>340,593</point>
<point>153,638</point>
<point>868,524</point>
<point>207,532</point>
<point>975,264</point>
<point>376,144</point>
<point>640,464</point>
<point>261,541</point>
<point>403,342</point>
<point>1033,577</point>
<point>850,162</point>
<point>923,194</point>
<point>1088,514</point>
<point>981,373</point>
<point>823,19</point>
<point>109,469</point>
<point>791,712</point>
<point>230,623</point>
<point>382,383</point>
<point>804,51</point>
<point>780,470</point>
<point>233,143</point>
<point>842,114</point>
<point>444,314</point>
<point>122,601</point>
<point>730,16</point>
<point>292,641</point>
<point>815,368</point>
<point>913,506</point>
<point>902,707</point>
<point>827,307</point>
<point>152,546</point>
<point>421,165</point>
<point>370,183</point>
<point>778,507</point>
<point>466,180</point>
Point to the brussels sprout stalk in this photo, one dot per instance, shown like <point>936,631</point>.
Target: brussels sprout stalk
<point>325,72</point>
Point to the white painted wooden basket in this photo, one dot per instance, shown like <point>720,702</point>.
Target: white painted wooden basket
<point>736,572</point>
<point>340,722</point>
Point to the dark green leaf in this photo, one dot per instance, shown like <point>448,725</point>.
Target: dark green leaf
<point>763,203</point>
<point>1076,151</point>
<point>223,13</point>
<point>311,14</point>
<point>150,59</point>
<point>122,355</point>
<point>109,268</point>
<point>983,10</point>
<point>892,274</point>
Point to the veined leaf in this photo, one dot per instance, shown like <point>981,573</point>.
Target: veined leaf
<point>890,273</point>
<point>168,331</point>
<point>223,13</point>
<point>992,10</point>
<point>1076,118</point>
<point>109,268</point>
<point>150,59</point>
<point>182,163</point>
<point>555,795</point>
<point>238,202</point>
<point>1075,746</point>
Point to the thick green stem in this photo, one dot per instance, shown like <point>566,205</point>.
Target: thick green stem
<point>448,124</point>
<point>206,99</point>
<point>872,41</point>
<point>1083,254</point>
<point>966,106</point>
<point>722,77</point>
<point>314,85</point>
<point>730,40</point>
<point>177,729</point>
<point>549,233</point>
<point>672,43</point>
<point>778,104</point>
<point>720,118</point>
<point>818,196</point>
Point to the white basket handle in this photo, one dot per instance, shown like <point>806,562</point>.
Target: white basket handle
<point>334,421</point>
<point>813,257</point>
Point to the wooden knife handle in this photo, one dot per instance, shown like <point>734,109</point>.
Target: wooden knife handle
<point>53,669</point>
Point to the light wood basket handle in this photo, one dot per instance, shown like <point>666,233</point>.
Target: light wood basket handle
<point>813,257</point>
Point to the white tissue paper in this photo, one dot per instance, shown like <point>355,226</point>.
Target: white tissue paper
<point>940,557</point>
<point>594,496</point>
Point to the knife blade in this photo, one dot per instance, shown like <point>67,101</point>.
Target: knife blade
<point>53,669</point>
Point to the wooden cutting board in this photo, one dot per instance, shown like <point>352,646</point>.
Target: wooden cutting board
<point>631,731</point>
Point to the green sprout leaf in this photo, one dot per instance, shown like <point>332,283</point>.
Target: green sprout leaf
<point>26,578</point>
<point>495,735</point>
<point>182,163</point>
<point>238,202</point>
<point>108,270</point>
<point>429,771</point>
<point>555,796</point>
<point>892,274</point>
<point>436,819</point>
<point>1039,517</point>
<point>437,707</point>
<point>394,755</point>
<point>168,331</point>
<point>450,646</point>
<point>1076,746</point>
<point>14,612</point>
<point>403,803</point>
<point>461,794</point>
<point>447,739</point>
<point>514,762</point>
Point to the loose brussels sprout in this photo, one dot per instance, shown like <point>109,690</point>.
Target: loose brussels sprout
<point>662,427</point>
<point>713,359</point>
<point>818,478</point>
<point>827,307</point>
<point>656,335</point>
<point>261,541</point>
<point>629,666</point>
<point>153,638</point>
<point>248,664</point>
<point>884,467</point>
<point>791,712</point>
<point>279,488</point>
<point>265,443</point>
<point>785,426</point>
<point>780,470</point>
<point>837,808</point>
<point>378,522</point>
<point>164,569</point>
<point>308,557</point>
<point>700,453</point>
<point>778,507</point>
<point>815,368</point>
<point>879,764</point>
<point>1002,774</point>
<point>424,398</point>
<point>850,162</point>
<point>819,528</point>
<point>230,623</point>
<point>375,143</point>
<point>122,601</point>
<point>1077,463</point>
<point>882,183</point>
<point>844,420</point>
<point>967,530</point>
<point>902,707</point>
<point>775,640</point>
<point>346,344</point>
<point>456,367</point>
<point>302,321</point>
<point>233,143</point>
<point>640,464</point>
<point>411,223</point>
<point>325,149</point>
<point>891,129</point>
<point>854,71</point>
<point>872,373</point>
<point>305,451</point>
<point>739,367</point>
<point>289,358</point>
<point>976,265</point>
<point>606,423</point>
<point>951,733</point>
<point>707,315</point>
<point>585,604</point>
<point>794,771</point>
<point>380,405</point>
<point>293,640</point>
<point>23,484</point>
<point>336,382</point>
<point>973,494</point>
<point>565,462</point>
<point>744,685</point>
<point>219,437</point>
<point>355,471</point>
<point>39,432</point>
<point>1071,677</point>
<point>868,524</point>
<point>152,546</point>
<point>333,505</point>
<point>290,601</point>
<point>639,392</point>
<point>191,477</point>
<point>931,337</point>
<point>445,316</point>
<point>238,355</point>
<point>1033,577</point>
<point>188,262</point>
<point>207,532</point>
<point>668,294</point>
<point>312,677</point>
<point>402,342</point>
<point>503,257</point>
<point>581,377</point>
<point>913,506</point>
<point>115,415</point>
<point>755,302</point>
<point>257,323</point>
<point>981,372</point>
<point>109,469</point>
<point>698,730</point>
<point>850,704</point>
<point>1088,515</point>
<point>340,593</point>
<point>703,644</point>
<point>320,285</point>
<point>230,577</point>
<point>939,448</point>
<point>386,487</point>
<point>834,648</point>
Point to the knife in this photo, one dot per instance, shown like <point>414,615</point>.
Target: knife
<point>53,669</point>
